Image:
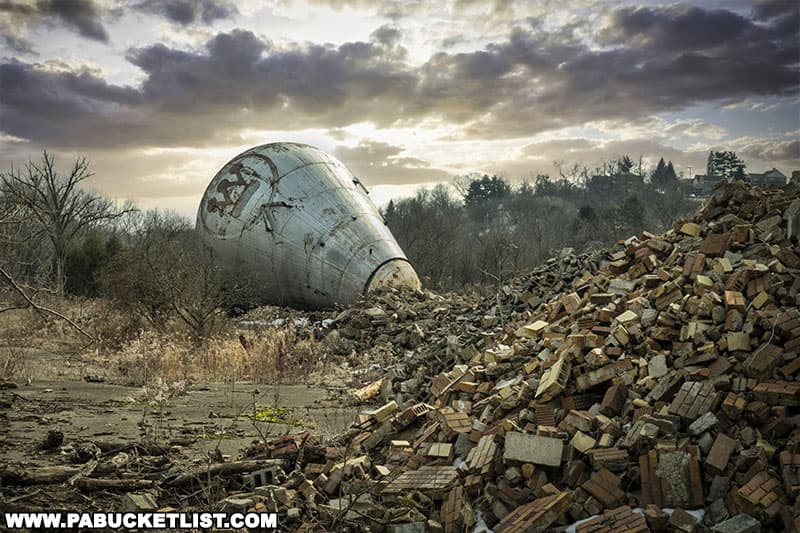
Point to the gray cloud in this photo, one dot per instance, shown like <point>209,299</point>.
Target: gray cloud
<point>677,27</point>
<point>695,128</point>
<point>378,162</point>
<point>16,43</point>
<point>80,16</point>
<point>767,9</point>
<point>390,9</point>
<point>63,108</point>
<point>237,81</point>
<point>777,151</point>
<point>185,12</point>
<point>545,149</point>
<point>532,81</point>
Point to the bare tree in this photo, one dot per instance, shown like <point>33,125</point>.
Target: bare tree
<point>57,205</point>
<point>164,273</point>
<point>576,174</point>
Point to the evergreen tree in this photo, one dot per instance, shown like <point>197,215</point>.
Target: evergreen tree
<point>632,213</point>
<point>486,188</point>
<point>391,212</point>
<point>711,167</point>
<point>670,174</point>
<point>659,174</point>
<point>725,164</point>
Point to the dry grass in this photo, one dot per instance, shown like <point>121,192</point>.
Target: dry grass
<point>272,355</point>
<point>25,327</point>
<point>135,352</point>
<point>11,363</point>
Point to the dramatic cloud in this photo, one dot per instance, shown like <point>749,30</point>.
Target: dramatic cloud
<point>66,108</point>
<point>81,16</point>
<point>382,163</point>
<point>426,89</point>
<point>189,97</point>
<point>779,151</point>
<point>185,12</point>
<point>677,27</point>
<point>695,128</point>
<point>524,85</point>
<point>767,9</point>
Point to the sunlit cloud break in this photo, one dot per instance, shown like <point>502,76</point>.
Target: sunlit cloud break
<point>159,95</point>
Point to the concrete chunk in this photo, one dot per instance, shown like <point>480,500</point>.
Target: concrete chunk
<point>741,523</point>
<point>534,449</point>
<point>582,442</point>
<point>691,229</point>
<point>720,453</point>
<point>657,366</point>
<point>738,341</point>
<point>532,331</point>
<point>703,424</point>
<point>137,502</point>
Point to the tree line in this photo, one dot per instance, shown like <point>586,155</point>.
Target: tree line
<point>485,230</point>
<point>59,236</point>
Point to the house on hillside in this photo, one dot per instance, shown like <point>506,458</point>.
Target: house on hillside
<point>703,184</point>
<point>769,178</point>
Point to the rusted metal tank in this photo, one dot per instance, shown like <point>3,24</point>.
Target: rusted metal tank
<point>295,222</point>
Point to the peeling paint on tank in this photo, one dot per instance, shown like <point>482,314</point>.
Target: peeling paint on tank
<point>297,220</point>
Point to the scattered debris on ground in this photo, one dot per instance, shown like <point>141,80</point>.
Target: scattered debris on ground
<point>655,386</point>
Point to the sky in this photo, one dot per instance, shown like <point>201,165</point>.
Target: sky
<point>159,94</point>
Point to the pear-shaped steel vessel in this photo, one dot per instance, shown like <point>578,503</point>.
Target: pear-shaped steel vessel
<point>295,222</point>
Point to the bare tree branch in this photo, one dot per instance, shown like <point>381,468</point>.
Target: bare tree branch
<point>41,311</point>
<point>57,204</point>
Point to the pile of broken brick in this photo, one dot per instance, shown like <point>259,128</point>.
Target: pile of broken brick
<point>652,387</point>
<point>667,378</point>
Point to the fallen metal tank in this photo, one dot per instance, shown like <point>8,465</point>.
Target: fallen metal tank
<point>296,223</point>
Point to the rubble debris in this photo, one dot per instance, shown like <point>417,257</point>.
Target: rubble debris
<point>138,502</point>
<point>533,449</point>
<point>606,387</point>
<point>52,441</point>
<point>622,519</point>
<point>741,523</point>
<point>536,515</point>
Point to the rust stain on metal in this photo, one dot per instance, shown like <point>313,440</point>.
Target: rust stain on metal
<point>315,241</point>
<point>224,187</point>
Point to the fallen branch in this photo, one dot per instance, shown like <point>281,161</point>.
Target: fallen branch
<point>23,496</point>
<point>92,484</point>
<point>85,471</point>
<point>114,447</point>
<point>41,311</point>
<point>220,469</point>
<point>39,476</point>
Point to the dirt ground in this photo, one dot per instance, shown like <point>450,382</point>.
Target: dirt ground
<point>194,424</point>
<point>197,421</point>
